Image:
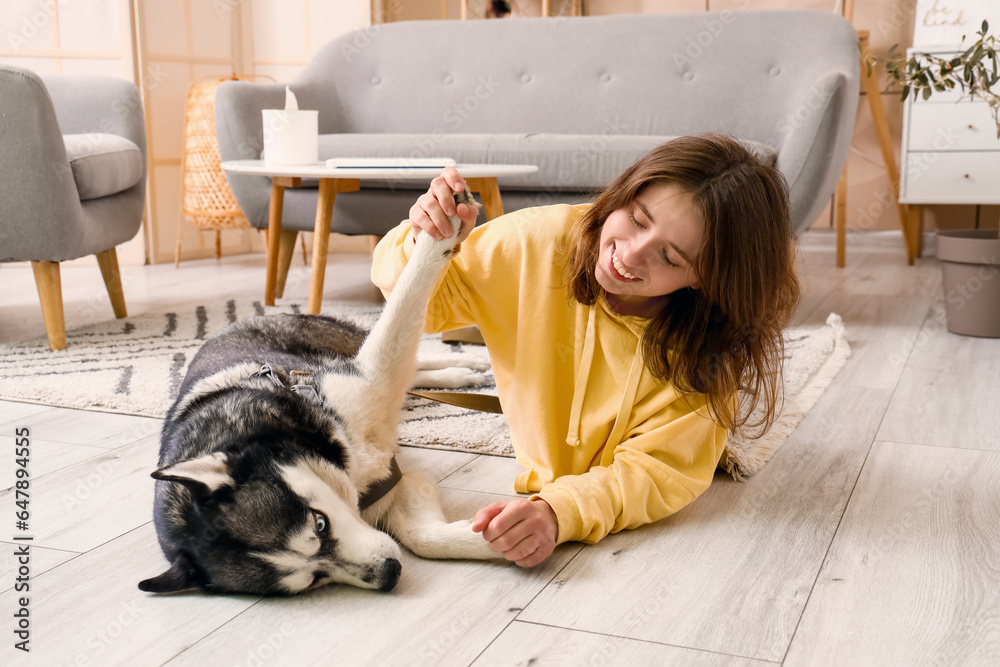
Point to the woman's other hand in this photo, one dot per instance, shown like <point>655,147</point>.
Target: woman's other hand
<point>524,531</point>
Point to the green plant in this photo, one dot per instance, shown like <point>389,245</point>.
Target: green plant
<point>974,72</point>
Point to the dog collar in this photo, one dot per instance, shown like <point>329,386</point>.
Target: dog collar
<point>302,385</point>
<point>301,382</point>
<point>379,489</point>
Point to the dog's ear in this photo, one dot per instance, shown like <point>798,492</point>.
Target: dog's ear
<point>202,476</point>
<point>181,576</point>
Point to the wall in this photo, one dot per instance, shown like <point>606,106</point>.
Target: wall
<point>191,40</point>
<point>72,37</point>
<point>869,199</point>
<point>164,46</point>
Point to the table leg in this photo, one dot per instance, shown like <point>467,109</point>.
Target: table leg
<point>321,241</point>
<point>278,185</point>
<point>273,233</point>
<point>489,192</point>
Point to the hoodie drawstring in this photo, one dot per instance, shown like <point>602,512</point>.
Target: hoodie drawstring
<point>628,402</point>
<point>582,377</point>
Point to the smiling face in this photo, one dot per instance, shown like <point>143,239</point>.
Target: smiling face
<point>647,248</point>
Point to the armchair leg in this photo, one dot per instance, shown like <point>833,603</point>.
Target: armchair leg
<point>50,294</point>
<point>840,214</point>
<point>286,248</point>
<point>108,261</point>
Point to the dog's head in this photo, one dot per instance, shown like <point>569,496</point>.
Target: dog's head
<point>242,521</point>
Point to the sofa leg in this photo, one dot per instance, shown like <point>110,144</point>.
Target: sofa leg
<point>108,261</point>
<point>372,242</point>
<point>50,294</point>
<point>286,248</point>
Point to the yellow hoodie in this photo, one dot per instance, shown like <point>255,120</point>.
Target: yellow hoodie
<point>601,440</point>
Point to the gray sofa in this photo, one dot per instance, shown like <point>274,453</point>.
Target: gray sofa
<point>580,97</point>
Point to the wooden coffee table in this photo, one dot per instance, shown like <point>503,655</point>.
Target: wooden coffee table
<point>481,178</point>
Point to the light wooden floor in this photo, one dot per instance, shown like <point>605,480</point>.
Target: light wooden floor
<point>871,538</point>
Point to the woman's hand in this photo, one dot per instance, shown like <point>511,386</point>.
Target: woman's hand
<point>524,531</point>
<point>433,208</point>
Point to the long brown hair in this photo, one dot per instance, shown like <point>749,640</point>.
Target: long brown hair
<point>726,335</point>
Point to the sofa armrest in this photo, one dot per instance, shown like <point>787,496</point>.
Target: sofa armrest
<point>238,121</point>
<point>40,193</point>
<point>240,129</point>
<point>814,151</point>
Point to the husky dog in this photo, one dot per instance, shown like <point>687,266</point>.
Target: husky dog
<point>277,460</point>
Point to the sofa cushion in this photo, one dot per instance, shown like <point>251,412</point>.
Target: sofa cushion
<point>102,164</point>
<point>566,162</point>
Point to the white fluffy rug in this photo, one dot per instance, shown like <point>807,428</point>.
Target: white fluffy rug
<point>135,366</point>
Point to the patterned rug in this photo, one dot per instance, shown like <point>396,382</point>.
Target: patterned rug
<point>135,366</point>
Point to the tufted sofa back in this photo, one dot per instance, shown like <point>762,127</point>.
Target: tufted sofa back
<point>748,73</point>
<point>565,93</point>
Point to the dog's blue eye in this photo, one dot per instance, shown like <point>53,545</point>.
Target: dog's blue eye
<point>322,523</point>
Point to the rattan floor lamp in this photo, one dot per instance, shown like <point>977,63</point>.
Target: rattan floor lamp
<point>207,201</point>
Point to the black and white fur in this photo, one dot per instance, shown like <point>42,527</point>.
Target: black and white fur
<point>258,486</point>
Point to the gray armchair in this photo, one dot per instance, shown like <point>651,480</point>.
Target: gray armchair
<point>73,169</point>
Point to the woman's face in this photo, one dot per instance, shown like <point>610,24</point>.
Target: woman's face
<point>647,248</point>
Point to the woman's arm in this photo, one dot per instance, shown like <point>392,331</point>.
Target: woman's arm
<point>651,475</point>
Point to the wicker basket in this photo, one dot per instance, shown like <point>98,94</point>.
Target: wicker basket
<point>207,201</point>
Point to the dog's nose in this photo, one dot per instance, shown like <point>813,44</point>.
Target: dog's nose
<point>389,576</point>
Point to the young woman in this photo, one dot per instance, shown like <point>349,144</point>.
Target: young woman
<point>620,333</point>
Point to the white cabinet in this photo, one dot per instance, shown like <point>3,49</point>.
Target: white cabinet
<point>950,153</point>
<point>950,150</point>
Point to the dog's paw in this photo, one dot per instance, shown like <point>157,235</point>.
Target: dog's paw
<point>449,378</point>
<point>453,360</point>
<point>466,360</point>
<point>434,250</point>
